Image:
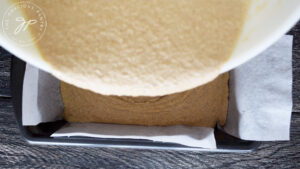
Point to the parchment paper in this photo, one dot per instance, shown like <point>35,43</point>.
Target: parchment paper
<point>189,136</point>
<point>41,97</point>
<point>260,105</point>
<point>42,102</point>
<point>260,99</point>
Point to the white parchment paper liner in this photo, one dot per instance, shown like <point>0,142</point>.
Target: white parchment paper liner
<point>260,102</point>
<point>42,102</point>
<point>260,105</point>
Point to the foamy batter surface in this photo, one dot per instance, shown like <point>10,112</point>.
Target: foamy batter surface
<point>203,106</point>
<point>137,47</point>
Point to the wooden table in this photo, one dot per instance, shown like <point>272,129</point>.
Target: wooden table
<point>16,153</point>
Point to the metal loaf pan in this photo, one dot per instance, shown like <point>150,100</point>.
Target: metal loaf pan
<point>40,134</point>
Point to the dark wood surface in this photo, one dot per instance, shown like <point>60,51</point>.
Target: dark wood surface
<point>16,153</point>
<point>5,61</point>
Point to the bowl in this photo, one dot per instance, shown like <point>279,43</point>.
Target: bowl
<point>266,22</point>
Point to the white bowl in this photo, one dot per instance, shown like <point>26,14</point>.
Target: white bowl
<point>266,22</point>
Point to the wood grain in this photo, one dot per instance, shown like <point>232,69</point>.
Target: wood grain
<point>296,67</point>
<point>5,62</point>
<point>16,153</point>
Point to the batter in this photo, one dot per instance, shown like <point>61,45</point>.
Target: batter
<point>138,47</point>
<point>203,106</point>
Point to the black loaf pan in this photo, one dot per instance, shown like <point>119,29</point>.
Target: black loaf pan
<point>40,134</point>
